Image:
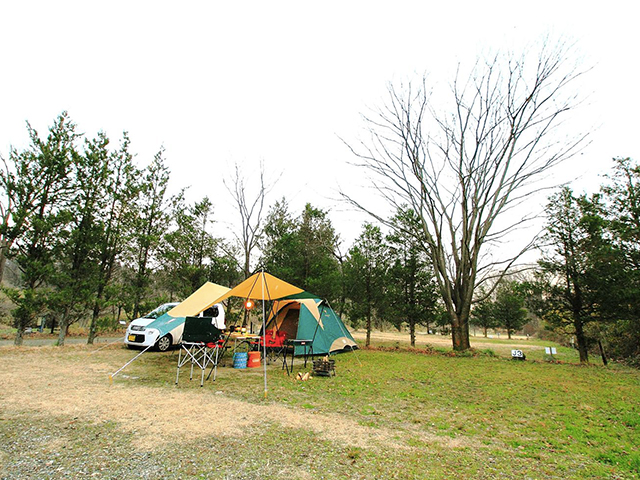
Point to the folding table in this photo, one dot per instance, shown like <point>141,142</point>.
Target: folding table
<point>307,345</point>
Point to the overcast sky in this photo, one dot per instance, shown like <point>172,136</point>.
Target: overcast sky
<point>280,82</point>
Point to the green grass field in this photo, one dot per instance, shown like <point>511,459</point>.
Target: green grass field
<point>410,415</point>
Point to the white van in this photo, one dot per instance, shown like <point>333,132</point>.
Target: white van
<point>141,334</point>
<point>161,330</point>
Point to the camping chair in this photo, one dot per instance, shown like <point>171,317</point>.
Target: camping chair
<point>274,341</point>
<point>200,345</point>
<point>220,347</point>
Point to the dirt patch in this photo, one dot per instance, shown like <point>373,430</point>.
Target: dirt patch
<point>71,383</point>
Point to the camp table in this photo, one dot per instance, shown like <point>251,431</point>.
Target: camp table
<point>239,340</point>
<point>307,345</point>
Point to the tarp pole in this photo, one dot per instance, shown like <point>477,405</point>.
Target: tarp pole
<point>264,338</point>
<point>123,367</point>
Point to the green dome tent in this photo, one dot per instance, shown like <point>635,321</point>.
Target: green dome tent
<point>311,319</point>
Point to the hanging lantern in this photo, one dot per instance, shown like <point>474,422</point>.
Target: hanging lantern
<point>249,304</point>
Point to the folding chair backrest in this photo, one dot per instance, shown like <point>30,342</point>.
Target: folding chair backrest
<point>200,330</point>
<point>274,339</point>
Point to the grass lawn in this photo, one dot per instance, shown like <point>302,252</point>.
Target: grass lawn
<point>389,413</point>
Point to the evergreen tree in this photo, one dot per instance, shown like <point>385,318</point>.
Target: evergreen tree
<point>508,309</point>
<point>318,266</point>
<point>42,186</point>
<point>117,216</point>
<point>149,227</point>
<point>302,250</point>
<point>78,267</point>
<point>620,207</point>
<point>365,271</point>
<point>281,243</point>
<point>188,248</point>
<point>569,287</point>
<point>482,315</point>
<point>411,289</point>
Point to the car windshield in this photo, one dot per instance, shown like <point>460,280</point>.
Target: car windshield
<point>161,310</point>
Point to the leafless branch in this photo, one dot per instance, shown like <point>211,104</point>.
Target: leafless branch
<point>478,161</point>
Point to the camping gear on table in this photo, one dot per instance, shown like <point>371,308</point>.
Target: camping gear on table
<point>262,286</point>
<point>265,287</point>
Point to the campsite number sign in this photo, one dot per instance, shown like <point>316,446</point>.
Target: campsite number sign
<point>517,354</point>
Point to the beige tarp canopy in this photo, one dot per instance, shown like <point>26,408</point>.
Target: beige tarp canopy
<point>261,286</point>
<point>206,296</point>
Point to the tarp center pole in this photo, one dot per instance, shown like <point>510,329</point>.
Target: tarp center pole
<point>264,338</point>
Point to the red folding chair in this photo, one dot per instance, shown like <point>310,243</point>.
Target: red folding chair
<point>273,341</point>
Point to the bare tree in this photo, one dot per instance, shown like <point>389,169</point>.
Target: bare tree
<point>462,170</point>
<point>251,213</point>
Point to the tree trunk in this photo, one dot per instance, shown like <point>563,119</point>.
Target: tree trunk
<point>460,333</point>
<point>581,339</point>
<point>412,332</point>
<point>3,261</point>
<point>19,336</point>
<point>247,264</point>
<point>21,321</point>
<point>106,270</point>
<point>92,324</point>
<point>604,356</point>
<point>368,340</point>
<point>64,327</point>
<point>484,330</point>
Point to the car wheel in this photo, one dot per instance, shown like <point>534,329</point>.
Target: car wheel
<point>164,343</point>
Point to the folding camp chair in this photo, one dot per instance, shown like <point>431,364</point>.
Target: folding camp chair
<point>274,341</point>
<point>200,346</point>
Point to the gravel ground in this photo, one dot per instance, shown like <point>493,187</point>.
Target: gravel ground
<point>39,342</point>
<point>57,448</point>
